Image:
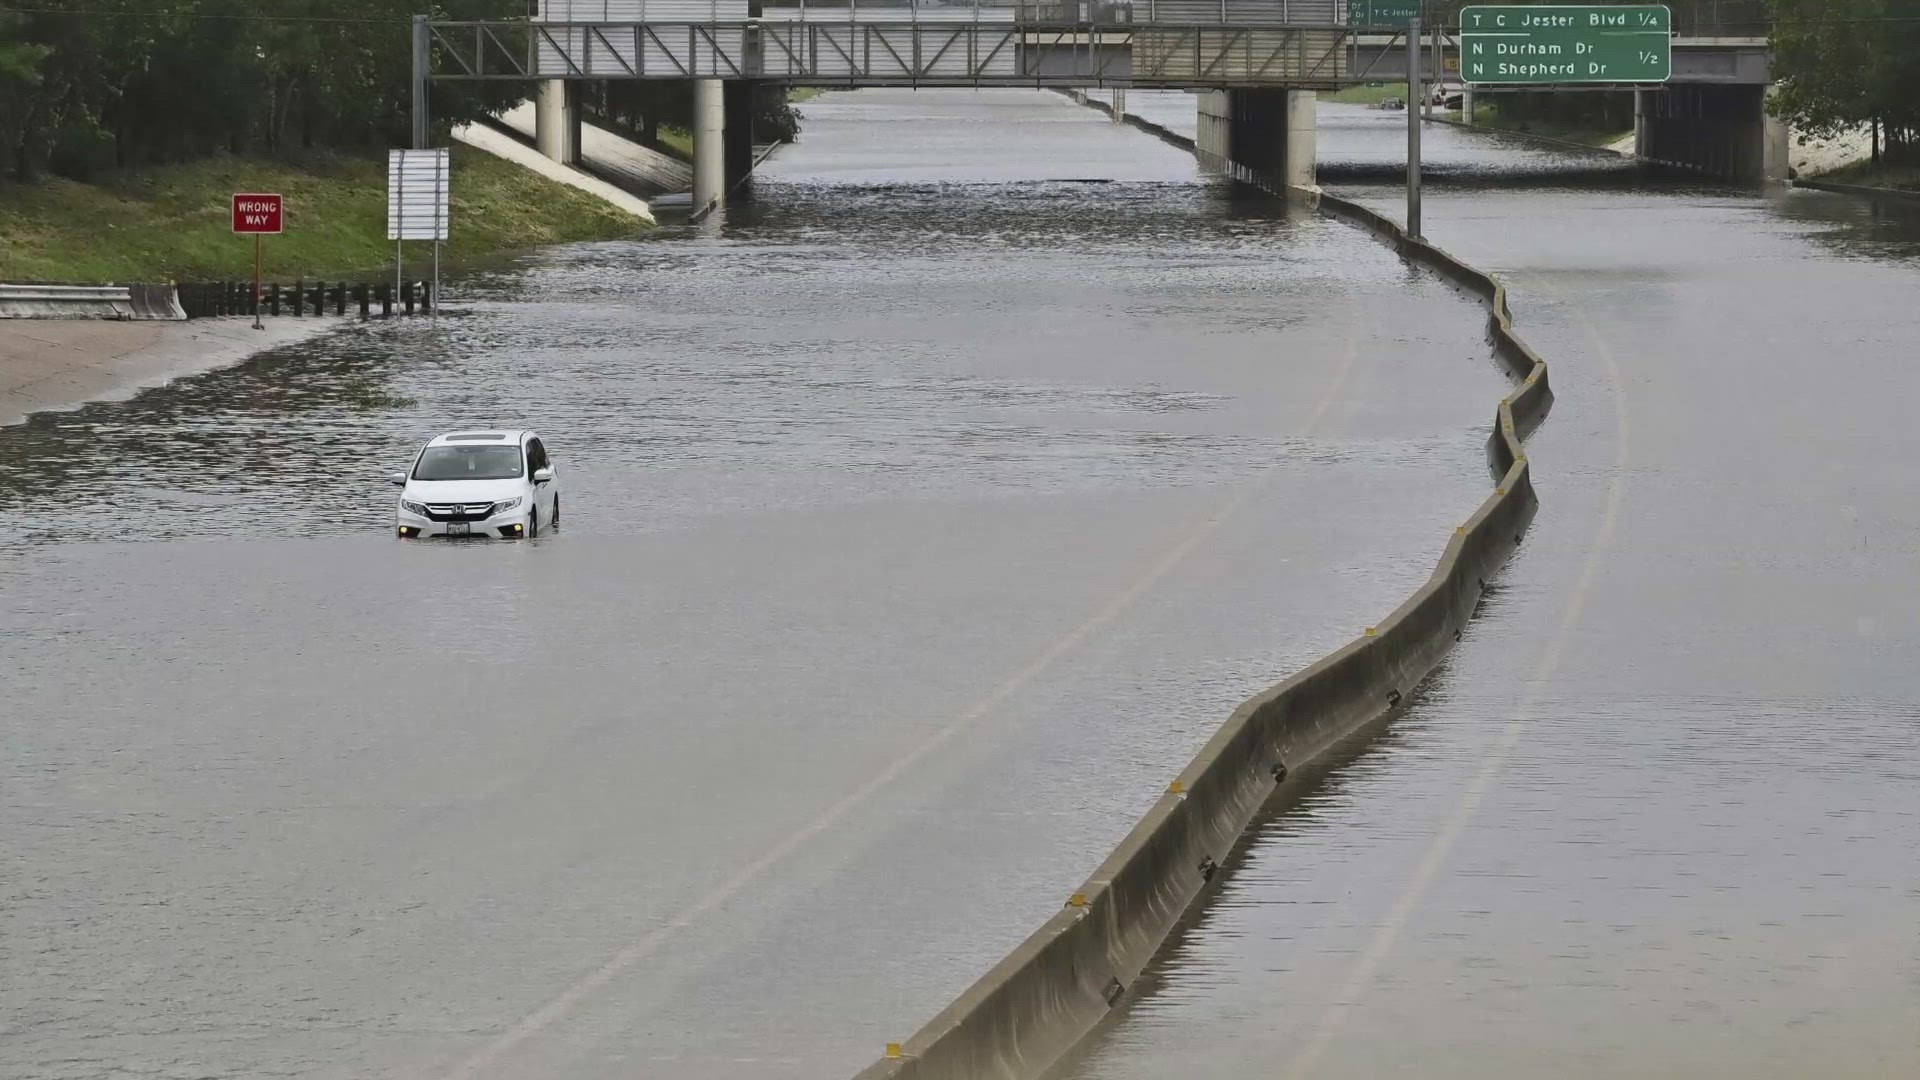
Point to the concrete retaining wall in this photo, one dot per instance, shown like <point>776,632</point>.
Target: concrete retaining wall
<point>1045,996</point>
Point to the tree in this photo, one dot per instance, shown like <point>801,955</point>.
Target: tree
<point>1843,63</point>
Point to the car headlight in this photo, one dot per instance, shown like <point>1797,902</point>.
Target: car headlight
<point>413,508</point>
<point>505,505</point>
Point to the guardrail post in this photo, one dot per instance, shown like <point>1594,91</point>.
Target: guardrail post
<point>299,297</point>
<point>340,299</point>
<point>386,300</point>
<point>406,295</point>
<point>360,297</point>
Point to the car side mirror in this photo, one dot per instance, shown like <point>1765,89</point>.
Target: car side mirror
<point>541,476</point>
<point>398,479</point>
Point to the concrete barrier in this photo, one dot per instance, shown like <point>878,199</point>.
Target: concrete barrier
<point>1050,991</point>
<point>89,302</point>
<point>1896,194</point>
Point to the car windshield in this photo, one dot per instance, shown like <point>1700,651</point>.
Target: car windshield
<point>468,463</point>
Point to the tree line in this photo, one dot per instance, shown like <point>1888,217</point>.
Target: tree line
<point>92,84</point>
<point>1844,64</point>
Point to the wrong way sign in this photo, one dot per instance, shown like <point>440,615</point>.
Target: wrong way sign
<point>255,212</point>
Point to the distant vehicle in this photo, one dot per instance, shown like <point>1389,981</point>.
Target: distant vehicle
<point>479,483</point>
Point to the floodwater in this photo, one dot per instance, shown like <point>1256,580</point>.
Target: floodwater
<point>919,522</point>
<point>1658,815</point>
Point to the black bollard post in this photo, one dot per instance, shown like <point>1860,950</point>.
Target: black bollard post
<point>360,297</point>
<point>386,299</point>
<point>406,296</point>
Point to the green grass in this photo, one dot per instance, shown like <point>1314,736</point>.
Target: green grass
<point>678,141</point>
<point>1867,174</point>
<point>1586,134</point>
<point>174,222</point>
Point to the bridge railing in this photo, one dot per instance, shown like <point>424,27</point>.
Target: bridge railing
<point>783,44</point>
<point>1720,18</point>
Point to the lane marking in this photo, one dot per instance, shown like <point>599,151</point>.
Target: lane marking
<point>1354,989</point>
<point>1198,533</point>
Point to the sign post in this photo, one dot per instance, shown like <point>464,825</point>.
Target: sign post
<point>417,206</point>
<point>1627,43</point>
<point>1416,91</point>
<point>260,215</point>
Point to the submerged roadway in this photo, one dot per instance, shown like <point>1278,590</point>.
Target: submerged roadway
<point>920,521</point>
<point>1657,815</point>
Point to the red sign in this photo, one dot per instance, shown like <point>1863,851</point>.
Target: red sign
<point>254,213</point>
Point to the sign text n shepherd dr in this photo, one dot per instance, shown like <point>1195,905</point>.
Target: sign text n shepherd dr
<point>1554,44</point>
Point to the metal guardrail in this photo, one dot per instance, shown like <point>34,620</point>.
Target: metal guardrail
<point>40,301</point>
<point>217,299</point>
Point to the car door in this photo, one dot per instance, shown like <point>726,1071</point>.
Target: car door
<point>542,493</point>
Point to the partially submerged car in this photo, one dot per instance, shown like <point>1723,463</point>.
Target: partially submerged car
<point>479,483</point>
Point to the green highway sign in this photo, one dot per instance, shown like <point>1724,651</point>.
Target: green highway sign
<point>1386,13</point>
<point>1625,43</point>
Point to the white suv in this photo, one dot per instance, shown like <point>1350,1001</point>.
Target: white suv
<point>479,483</point>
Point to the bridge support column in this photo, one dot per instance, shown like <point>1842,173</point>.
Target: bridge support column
<point>1466,104</point>
<point>739,96</point>
<point>709,143</point>
<point>1641,105</point>
<point>1119,104</point>
<point>1776,143</point>
<point>1260,137</point>
<point>1301,151</point>
<point>1721,131</point>
<point>556,122</point>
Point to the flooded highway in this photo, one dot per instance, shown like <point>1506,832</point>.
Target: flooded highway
<point>1657,815</point>
<point>920,521</point>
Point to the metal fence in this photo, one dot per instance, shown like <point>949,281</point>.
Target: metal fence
<point>215,299</point>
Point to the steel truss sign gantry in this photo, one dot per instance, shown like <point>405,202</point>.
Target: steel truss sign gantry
<point>922,52</point>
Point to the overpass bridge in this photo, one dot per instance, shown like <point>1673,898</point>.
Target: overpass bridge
<point>1255,65</point>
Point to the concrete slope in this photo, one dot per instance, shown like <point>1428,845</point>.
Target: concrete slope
<point>505,146</point>
<point>638,167</point>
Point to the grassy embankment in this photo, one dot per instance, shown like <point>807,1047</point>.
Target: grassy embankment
<point>1867,174</point>
<point>174,222</point>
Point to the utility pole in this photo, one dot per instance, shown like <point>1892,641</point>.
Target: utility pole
<point>1416,91</point>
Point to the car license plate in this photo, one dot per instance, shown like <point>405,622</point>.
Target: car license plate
<point>459,528</point>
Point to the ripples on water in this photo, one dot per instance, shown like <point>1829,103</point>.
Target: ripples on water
<point>833,328</point>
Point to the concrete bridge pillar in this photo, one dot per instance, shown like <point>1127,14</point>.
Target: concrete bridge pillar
<point>1262,137</point>
<point>709,143</point>
<point>1776,143</point>
<point>1301,152</point>
<point>1466,104</point>
<point>1722,131</point>
<point>556,122</point>
<point>1640,106</point>
<point>1119,104</point>
<point>739,94</point>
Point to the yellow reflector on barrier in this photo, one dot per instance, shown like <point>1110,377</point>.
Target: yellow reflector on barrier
<point>1373,631</point>
<point>1078,899</point>
<point>893,1050</point>
<point>1175,788</point>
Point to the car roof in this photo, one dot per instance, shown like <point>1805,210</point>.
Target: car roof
<point>480,435</point>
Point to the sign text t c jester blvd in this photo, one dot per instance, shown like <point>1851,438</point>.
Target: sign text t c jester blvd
<point>1551,44</point>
